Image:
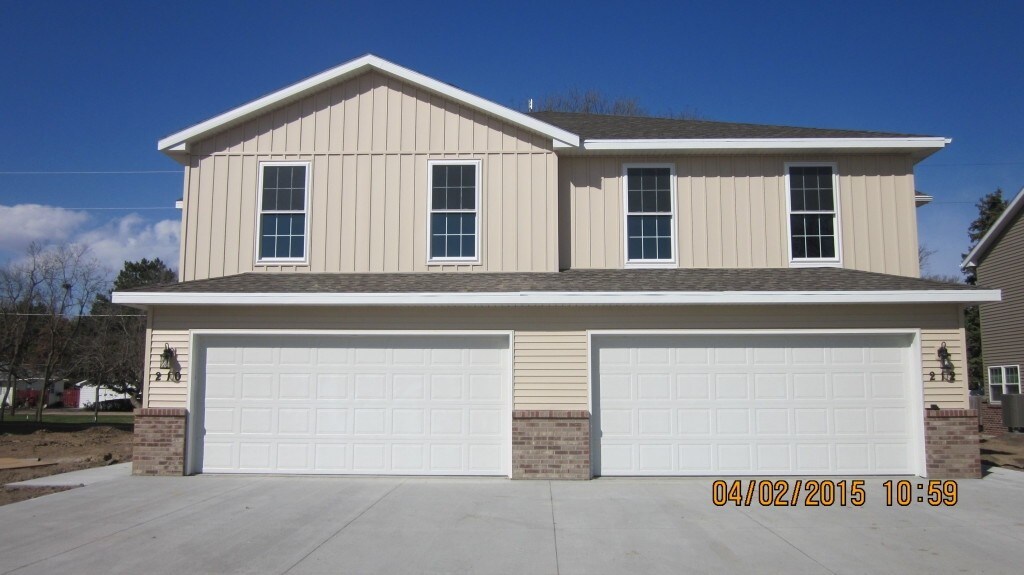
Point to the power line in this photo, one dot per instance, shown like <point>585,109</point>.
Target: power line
<point>105,208</point>
<point>79,173</point>
<point>926,165</point>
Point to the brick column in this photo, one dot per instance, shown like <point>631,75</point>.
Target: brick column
<point>951,443</point>
<point>159,443</point>
<point>551,444</point>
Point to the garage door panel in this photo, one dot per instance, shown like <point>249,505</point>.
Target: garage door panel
<point>753,405</point>
<point>346,404</point>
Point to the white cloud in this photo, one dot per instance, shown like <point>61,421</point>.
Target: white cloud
<point>132,238</point>
<point>22,224</point>
<point>113,242</point>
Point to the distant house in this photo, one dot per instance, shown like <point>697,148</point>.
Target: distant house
<point>28,390</point>
<point>998,260</point>
<point>87,394</point>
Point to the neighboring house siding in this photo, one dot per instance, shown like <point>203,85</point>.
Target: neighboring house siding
<point>550,344</point>
<point>731,211</point>
<point>1002,323</point>
<point>368,141</point>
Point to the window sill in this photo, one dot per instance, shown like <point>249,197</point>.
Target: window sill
<point>264,263</point>
<point>815,264</point>
<point>651,264</point>
<point>454,261</point>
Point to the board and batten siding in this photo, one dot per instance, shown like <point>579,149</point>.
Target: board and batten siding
<point>368,141</point>
<point>731,211</point>
<point>1002,323</point>
<point>550,344</point>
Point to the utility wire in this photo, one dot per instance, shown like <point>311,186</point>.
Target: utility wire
<point>81,173</point>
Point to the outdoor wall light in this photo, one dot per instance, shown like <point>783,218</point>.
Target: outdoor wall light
<point>167,357</point>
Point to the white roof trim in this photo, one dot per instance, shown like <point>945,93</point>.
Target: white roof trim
<point>175,142</point>
<point>994,232</point>
<point>559,298</point>
<point>935,143</point>
<point>922,199</point>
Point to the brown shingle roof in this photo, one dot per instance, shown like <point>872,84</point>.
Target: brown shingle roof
<point>577,280</point>
<point>601,127</point>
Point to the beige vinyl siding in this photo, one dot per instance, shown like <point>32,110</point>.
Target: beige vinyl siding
<point>167,392</point>
<point>549,343</point>
<point>550,370</point>
<point>368,141</point>
<point>945,394</point>
<point>731,211</point>
<point>1002,323</point>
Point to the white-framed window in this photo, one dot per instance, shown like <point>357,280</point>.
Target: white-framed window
<point>649,202</point>
<point>453,222</point>
<point>283,222</point>
<point>1003,379</point>
<point>812,200</point>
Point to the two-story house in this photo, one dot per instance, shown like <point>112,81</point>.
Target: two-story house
<point>384,274</point>
<point>997,261</point>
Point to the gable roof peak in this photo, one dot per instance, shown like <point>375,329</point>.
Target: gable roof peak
<point>177,144</point>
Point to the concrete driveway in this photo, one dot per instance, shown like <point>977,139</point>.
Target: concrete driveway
<point>225,524</point>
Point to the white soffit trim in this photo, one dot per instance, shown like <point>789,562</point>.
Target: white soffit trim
<point>176,142</point>
<point>932,143</point>
<point>994,232</point>
<point>559,298</point>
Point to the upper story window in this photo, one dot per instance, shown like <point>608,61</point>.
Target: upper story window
<point>813,214</point>
<point>650,213</point>
<point>1003,379</point>
<point>454,210</point>
<point>284,200</point>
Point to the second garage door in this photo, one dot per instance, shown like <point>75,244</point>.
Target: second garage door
<point>410,405</point>
<point>765,405</point>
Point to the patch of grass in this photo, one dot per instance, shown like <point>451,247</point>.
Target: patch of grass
<point>105,418</point>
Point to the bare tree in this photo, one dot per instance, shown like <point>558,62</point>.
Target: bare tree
<point>594,102</point>
<point>924,254</point>
<point>113,346</point>
<point>67,279</point>
<point>19,284</point>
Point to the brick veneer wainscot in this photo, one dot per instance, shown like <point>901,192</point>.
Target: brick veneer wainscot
<point>951,443</point>
<point>991,418</point>
<point>551,444</point>
<point>158,447</point>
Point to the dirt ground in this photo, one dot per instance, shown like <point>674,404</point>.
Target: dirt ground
<point>1004,450</point>
<point>68,450</point>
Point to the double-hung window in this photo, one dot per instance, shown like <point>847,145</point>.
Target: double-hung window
<point>454,210</point>
<point>650,214</point>
<point>284,201</point>
<point>813,214</point>
<point>1003,379</point>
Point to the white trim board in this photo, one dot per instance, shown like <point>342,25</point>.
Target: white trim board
<point>897,143</point>
<point>178,142</point>
<point>561,298</point>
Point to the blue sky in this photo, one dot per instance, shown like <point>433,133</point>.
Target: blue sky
<point>91,86</point>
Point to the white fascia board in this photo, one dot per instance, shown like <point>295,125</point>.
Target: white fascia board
<point>179,140</point>
<point>994,232</point>
<point>934,143</point>
<point>558,298</point>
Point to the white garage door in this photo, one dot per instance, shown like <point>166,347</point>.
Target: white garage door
<point>416,405</point>
<point>746,405</point>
